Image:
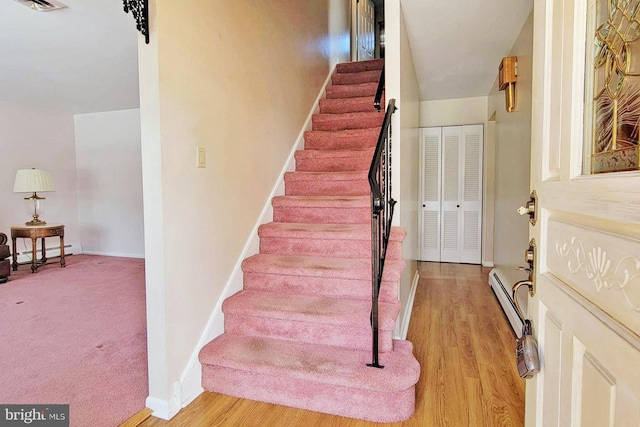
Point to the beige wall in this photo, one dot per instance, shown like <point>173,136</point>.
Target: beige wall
<point>402,84</point>
<point>512,156</point>
<point>38,138</point>
<point>237,78</point>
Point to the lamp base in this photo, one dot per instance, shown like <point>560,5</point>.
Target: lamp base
<point>35,222</point>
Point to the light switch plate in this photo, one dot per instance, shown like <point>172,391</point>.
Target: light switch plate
<point>202,157</point>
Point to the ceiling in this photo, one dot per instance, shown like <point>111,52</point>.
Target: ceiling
<point>84,58</point>
<point>457,46</point>
<point>81,59</point>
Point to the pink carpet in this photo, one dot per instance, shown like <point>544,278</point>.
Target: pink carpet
<point>76,336</point>
<point>299,333</point>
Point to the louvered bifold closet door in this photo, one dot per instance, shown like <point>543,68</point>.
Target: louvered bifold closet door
<point>471,196</point>
<point>430,188</point>
<point>452,166</point>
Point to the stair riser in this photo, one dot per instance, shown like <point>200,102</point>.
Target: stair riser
<point>355,91</point>
<point>328,188</point>
<point>347,105</point>
<point>325,247</point>
<point>310,285</point>
<point>372,76</point>
<point>347,336</point>
<point>326,398</point>
<point>339,164</point>
<point>322,215</point>
<point>322,122</point>
<point>357,67</point>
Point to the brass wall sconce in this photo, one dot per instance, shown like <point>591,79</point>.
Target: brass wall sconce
<point>507,78</point>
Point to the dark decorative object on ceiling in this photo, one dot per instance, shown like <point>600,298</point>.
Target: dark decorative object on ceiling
<point>140,10</point>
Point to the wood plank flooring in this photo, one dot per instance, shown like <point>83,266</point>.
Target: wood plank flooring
<point>463,342</point>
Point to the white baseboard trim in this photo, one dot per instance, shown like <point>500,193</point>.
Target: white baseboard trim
<point>488,264</point>
<point>409,307</point>
<point>191,378</point>
<point>114,254</point>
<point>52,251</point>
<point>165,409</point>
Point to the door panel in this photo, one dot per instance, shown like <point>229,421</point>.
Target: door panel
<point>451,191</point>
<point>590,375</point>
<point>551,337</point>
<point>431,184</point>
<point>586,309</point>
<point>472,194</point>
<point>366,38</point>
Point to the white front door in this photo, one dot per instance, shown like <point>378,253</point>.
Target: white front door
<point>586,309</point>
<point>365,35</point>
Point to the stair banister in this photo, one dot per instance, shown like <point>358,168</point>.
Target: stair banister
<point>382,206</point>
<point>377,100</point>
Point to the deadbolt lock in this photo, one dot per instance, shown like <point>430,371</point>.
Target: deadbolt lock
<point>530,256</point>
<point>530,208</point>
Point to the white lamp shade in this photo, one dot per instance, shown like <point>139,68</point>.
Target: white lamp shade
<point>33,180</point>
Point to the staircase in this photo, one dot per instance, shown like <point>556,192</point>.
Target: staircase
<point>299,332</point>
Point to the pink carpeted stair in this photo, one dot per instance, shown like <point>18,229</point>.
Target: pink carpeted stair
<point>299,333</point>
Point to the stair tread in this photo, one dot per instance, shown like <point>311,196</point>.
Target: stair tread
<point>348,105</point>
<point>328,176</point>
<point>354,120</point>
<point>322,201</point>
<point>358,90</point>
<point>341,268</point>
<point>369,100</point>
<point>356,67</point>
<point>348,116</point>
<point>316,309</point>
<point>355,86</point>
<point>333,154</point>
<point>355,77</point>
<point>315,363</point>
<point>347,132</point>
<point>321,231</point>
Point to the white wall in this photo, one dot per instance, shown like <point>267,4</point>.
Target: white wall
<point>43,139</point>
<point>453,112</point>
<point>512,157</point>
<point>239,79</point>
<point>109,186</point>
<point>401,83</point>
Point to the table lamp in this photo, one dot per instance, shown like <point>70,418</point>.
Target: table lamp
<point>33,181</point>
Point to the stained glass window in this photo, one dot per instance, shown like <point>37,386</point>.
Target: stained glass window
<point>612,113</point>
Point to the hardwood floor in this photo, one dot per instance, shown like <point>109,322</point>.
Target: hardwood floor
<point>463,342</point>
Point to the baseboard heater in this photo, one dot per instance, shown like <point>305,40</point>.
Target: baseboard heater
<point>502,288</point>
<point>52,252</point>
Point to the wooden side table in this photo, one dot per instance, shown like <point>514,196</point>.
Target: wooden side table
<point>34,233</point>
